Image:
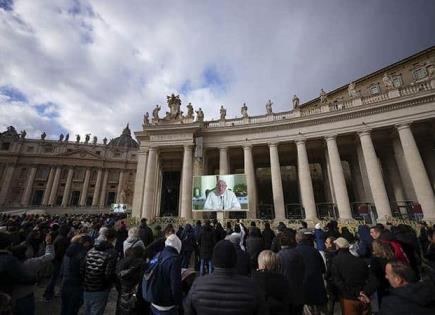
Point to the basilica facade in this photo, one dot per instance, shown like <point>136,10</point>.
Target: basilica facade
<point>363,149</point>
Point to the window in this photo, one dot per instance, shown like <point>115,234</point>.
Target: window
<point>420,73</point>
<point>374,89</point>
<point>23,173</point>
<point>42,173</point>
<point>30,149</point>
<point>79,174</point>
<point>397,81</point>
<point>5,146</point>
<point>116,154</point>
<point>98,152</point>
<point>48,149</point>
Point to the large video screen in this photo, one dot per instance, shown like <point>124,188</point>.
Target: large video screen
<point>220,193</point>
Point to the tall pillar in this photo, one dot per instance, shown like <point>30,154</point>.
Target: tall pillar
<point>66,192</point>
<point>7,178</point>
<point>250,179</point>
<point>394,180</point>
<point>104,189</point>
<point>47,191</point>
<point>120,186</point>
<point>186,198</point>
<point>85,187</point>
<point>275,170</point>
<point>364,176</point>
<point>224,167</point>
<point>97,188</point>
<point>139,184</point>
<point>305,182</point>
<point>374,173</point>
<point>53,192</point>
<point>338,180</point>
<point>150,184</point>
<point>417,172</point>
<point>399,156</point>
<point>25,200</point>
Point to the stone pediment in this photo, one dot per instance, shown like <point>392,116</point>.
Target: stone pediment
<point>80,154</point>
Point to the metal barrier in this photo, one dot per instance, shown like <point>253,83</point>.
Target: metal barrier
<point>294,211</point>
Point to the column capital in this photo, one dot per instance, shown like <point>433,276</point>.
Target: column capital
<point>402,126</point>
<point>300,140</point>
<point>331,137</point>
<point>247,147</point>
<point>364,132</point>
<point>188,146</point>
<point>222,148</point>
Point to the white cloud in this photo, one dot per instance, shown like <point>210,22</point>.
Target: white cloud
<point>105,63</point>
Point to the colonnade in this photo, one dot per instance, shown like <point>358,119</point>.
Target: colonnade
<point>146,186</point>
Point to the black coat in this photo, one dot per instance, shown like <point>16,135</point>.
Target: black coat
<point>224,292</point>
<point>243,264</point>
<point>206,242</point>
<point>314,288</point>
<point>254,245</point>
<point>415,298</point>
<point>275,288</point>
<point>72,261</point>
<point>146,234</point>
<point>293,268</point>
<point>351,275</point>
<point>268,235</point>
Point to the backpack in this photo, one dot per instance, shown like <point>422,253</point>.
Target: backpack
<point>150,282</point>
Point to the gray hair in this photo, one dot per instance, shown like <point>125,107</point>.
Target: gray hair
<point>133,233</point>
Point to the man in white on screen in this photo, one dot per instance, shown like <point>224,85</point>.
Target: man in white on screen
<point>221,198</point>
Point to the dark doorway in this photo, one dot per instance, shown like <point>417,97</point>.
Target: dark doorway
<point>89,200</point>
<point>75,196</point>
<point>37,197</point>
<point>110,198</point>
<point>170,194</point>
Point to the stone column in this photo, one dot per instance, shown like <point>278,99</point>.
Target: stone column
<point>338,180</point>
<point>250,179</point>
<point>66,192</point>
<point>53,192</point>
<point>97,188</point>
<point>224,167</point>
<point>390,166</point>
<point>150,184</point>
<point>120,186</point>
<point>139,184</point>
<point>104,189</point>
<point>417,172</point>
<point>84,192</point>
<point>275,171</point>
<point>305,182</point>
<point>7,178</point>
<point>186,198</point>
<point>374,173</point>
<point>25,200</point>
<point>48,187</point>
<point>399,156</point>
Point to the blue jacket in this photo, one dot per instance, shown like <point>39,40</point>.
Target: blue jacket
<point>319,239</point>
<point>169,279</point>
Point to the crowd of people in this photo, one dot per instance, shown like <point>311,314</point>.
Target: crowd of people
<point>211,269</point>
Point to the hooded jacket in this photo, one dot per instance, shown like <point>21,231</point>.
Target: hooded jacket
<point>415,298</point>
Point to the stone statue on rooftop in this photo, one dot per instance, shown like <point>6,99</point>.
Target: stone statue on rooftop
<point>223,112</point>
<point>94,141</point>
<point>244,111</point>
<point>61,138</point>
<point>199,115</point>
<point>77,138</point>
<point>146,119</point>
<point>322,96</point>
<point>156,113</point>
<point>67,137</point>
<point>43,135</point>
<point>105,141</point>
<point>295,101</point>
<point>87,137</point>
<point>189,111</point>
<point>269,107</point>
<point>23,134</point>
<point>174,104</point>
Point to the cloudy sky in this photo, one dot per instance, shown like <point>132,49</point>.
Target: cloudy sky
<point>91,66</point>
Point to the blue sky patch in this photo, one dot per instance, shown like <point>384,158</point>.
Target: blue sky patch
<point>14,94</point>
<point>212,79</point>
<point>7,5</point>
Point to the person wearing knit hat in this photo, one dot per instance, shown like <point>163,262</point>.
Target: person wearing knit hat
<point>224,291</point>
<point>168,280</point>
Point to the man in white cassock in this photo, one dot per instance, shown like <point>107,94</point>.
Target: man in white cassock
<point>221,198</point>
